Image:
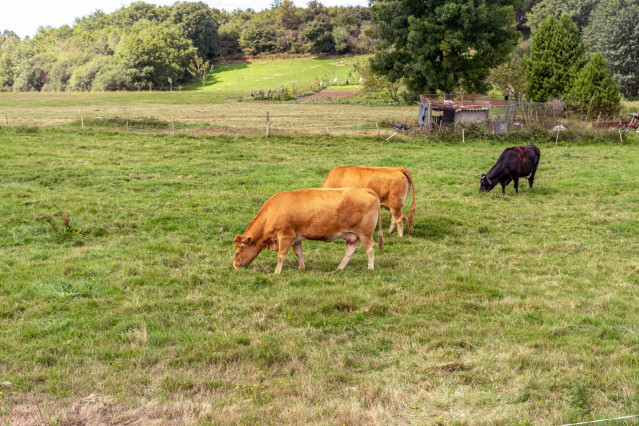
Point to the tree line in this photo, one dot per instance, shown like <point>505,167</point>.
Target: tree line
<point>581,52</point>
<point>144,46</point>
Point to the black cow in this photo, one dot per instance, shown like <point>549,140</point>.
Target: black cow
<point>513,163</point>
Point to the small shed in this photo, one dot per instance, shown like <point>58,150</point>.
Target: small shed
<point>453,111</point>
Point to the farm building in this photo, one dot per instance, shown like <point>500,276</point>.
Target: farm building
<point>467,110</point>
<point>499,115</point>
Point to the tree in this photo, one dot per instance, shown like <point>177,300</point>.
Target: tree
<point>201,70</point>
<point>9,47</point>
<point>594,91</point>
<point>556,54</point>
<point>288,15</point>
<point>127,17</point>
<point>260,35</point>
<point>196,22</point>
<point>83,76</point>
<point>578,10</point>
<point>614,31</point>
<point>510,75</point>
<point>154,52</point>
<point>372,82</point>
<point>437,45</point>
<point>111,79</point>
<point>319,34</point>
<point>341,40</point>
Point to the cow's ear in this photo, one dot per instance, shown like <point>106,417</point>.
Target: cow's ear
<point>247,240</point>
<point>238,238</point>
<point>482,175</point>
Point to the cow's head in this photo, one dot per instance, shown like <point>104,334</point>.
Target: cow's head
<point>245,251</point>
<point>486,184</point>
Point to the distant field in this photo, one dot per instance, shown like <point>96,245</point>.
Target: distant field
<point>631,106</point>
<point>206,109</point>
<point>272,73</point>
<point>516,309</point>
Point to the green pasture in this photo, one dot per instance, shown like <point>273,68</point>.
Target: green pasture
<point>515,309</point>
<point>265,74</point>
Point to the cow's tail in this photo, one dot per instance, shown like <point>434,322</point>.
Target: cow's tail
<point>411,214</point>
<point>380,233</point>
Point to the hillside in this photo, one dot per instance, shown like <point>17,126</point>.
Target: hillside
<point>265,74</point>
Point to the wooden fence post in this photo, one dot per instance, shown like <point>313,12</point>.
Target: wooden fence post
<point>268,125</point>
<point>82,122</point>
<point>174,127</point>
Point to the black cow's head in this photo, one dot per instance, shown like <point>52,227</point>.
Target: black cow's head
<point>486,184</point>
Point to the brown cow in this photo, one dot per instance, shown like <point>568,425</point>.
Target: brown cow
<point>287,218</point>
<point>391,184</point>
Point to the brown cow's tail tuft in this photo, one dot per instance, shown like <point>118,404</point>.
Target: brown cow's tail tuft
<point>411,214</point>
<point>380,233</point>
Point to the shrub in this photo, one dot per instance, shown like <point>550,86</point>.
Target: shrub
<point>82,77</point>
<point>115,78</point>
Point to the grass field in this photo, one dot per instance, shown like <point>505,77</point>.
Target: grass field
<point>269,74</point>
<point>204,108</point>
<point>497,309</point>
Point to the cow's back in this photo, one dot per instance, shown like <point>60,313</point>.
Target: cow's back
<point>386,182</point>
<point>529,159</point>
<point>318,210</point>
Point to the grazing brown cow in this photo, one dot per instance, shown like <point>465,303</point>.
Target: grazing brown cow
<point>287,218</point>
<point>391,184</point>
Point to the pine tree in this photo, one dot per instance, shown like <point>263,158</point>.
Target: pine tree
<point>594,91</point>
<point>556,55</point>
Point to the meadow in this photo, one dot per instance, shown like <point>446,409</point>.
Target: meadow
<point>119,303</point>
<point>264,74</point>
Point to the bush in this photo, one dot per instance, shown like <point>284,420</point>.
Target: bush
<point>82,77</point>
<point>112,79</point>
<point>59,76</point>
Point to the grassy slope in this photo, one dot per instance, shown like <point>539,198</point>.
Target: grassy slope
<point>270,74</point>
<point>515,308</point>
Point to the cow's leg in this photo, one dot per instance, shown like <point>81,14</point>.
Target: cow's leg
<point>392,225</point>
<point>282,251</point>
<point>297,249</point>
<point>398,217</point>
<point>531,179</point>
<point>516,184</point>
<point>369,245</point>
<point>351,246</point>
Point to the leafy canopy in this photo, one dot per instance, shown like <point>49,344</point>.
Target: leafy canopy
<point>578,10</point>
<point>614,31</point>
<point>442,44</point>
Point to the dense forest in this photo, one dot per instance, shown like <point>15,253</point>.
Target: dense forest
<point>144,46</point>
<point>148,46</point>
